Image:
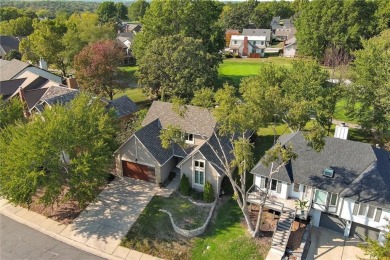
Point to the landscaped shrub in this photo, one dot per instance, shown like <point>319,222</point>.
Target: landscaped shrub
<point>196,195</point>
<point>208,194</point>
<point>184,185</point>
<point>228,55</point>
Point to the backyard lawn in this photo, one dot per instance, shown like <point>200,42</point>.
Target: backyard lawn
<point>233,70</point>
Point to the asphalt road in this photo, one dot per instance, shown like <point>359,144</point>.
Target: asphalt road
<point>19,242</point>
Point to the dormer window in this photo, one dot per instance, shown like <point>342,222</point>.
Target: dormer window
<point>328,173</point>
<point>234,42</point>
<point>189,138</point>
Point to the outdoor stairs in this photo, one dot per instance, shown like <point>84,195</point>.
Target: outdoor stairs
<point>281,235</point>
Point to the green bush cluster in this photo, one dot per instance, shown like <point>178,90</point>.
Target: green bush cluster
<point>185,185</point>
<point>208,194</point>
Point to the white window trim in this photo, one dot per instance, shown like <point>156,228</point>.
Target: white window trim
<point>200,169</point>
<point>299,187</point>
<point>189,141</point>
<point>326,199</point>
<point>366,213</point>
<point>330,199</point>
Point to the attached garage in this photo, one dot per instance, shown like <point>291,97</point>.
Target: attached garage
<point>332,222</point>
<point>138,171</point>
<point>363,232</point>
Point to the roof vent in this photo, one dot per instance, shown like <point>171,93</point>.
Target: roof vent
<point>328,173</point>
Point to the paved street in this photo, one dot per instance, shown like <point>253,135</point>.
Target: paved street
<point>18,241</point>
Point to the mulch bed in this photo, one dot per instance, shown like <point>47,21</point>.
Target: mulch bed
<point>297,230</point>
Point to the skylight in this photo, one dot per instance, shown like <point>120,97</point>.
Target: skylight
<point>328,172</point>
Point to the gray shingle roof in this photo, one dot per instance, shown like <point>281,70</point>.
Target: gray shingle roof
<point>123,106</point>
<point>149,136</point>
<point>196,120</point>
<point>212,151</point>
<point>8,43</point>
<point>9,87</point>
<point>56,91</point>
<point>258,32</point>
<point>359,168</point>
<point>12,68</point>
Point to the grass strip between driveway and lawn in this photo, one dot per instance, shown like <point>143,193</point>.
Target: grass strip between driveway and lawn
<point>225,238</point>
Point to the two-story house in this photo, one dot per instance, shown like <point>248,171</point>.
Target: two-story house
<point>143,157</point>
<point>346,186</point>
<point>248,46</point>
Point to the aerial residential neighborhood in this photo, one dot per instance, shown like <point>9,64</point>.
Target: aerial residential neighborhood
<point>185,129</point>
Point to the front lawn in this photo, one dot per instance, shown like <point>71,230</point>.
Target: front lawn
<point>225,238</point>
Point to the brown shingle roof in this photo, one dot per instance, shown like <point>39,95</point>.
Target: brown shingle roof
<point>196,120</point>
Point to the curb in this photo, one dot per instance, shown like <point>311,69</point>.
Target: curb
<point>57,236</point>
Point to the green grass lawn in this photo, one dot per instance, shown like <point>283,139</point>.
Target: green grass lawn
<point>134,94</point>
<point>233,70</point>
<point>227,238</point>
<point>341,112</point>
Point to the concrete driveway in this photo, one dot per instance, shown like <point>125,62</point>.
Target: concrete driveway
<point>326,244</point>
<point>104,223</point>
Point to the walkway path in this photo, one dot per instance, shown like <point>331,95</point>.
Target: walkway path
<point>100,228</point>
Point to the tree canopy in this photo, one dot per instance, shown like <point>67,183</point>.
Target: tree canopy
<point>65,153</point>
<point>21,26</point>
<point>176,66</point>
<point>107,12</point>
<point>196,19</point>
<point>96,67</point>
<point>11,111</point>
<point>332,23</point>
<point>137,10</point>
<point>370,90</point>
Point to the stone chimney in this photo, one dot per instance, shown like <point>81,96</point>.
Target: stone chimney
<point>72,83</point>
<point>245,49</point>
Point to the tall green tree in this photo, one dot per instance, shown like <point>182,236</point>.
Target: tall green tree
<point>371,84</point>
<point>328,23</point>
<point>21,26</point>
<point>9,13</point>
<point>196,19</point>
<point>65,152</point>
<point>46,42</point>
<point>137,10</point>
<point>11,111</point>
<point>264,12</point>
<point>83,29</point>
<point>121,10</point>
<point>107,12</point>
<point>176,66</point>
<point>237,15</point>
<point>96,67</point>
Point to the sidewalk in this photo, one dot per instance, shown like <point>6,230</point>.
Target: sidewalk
<point>100,228</point>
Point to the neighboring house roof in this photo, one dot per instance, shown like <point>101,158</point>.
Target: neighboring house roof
<point>149,136</point>
<point>362,172</point>
<point>123,106</point>
<point>291,41</point>
<point>250,38</point>
<point>3,62</point>
<point>11,69</point>
<point>59,95</point>
<point>9,87</point>
<point>258,32</point>
<point>33,96</point>
<point>133,27</point>
<point>290,33</point>
<point>40,72</point>
<point>121,44</point>
<point>125,36</point>
<point>8,43</point>
<point>196,120</point>
<point>277,24</point>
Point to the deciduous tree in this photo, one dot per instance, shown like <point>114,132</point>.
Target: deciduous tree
<point>96,67</point>
<point>67,150</point>
<point>107,12</point>
<point>371,84</point>
<point>196,19</point>
<point>176,66</point>
<point>11,111</point>
<point>137,10</point>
